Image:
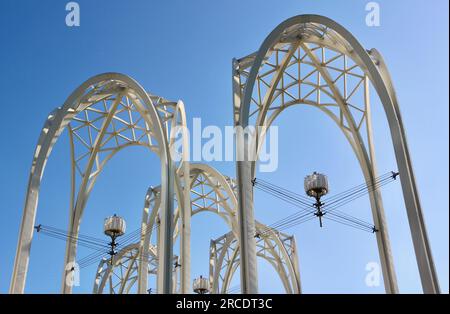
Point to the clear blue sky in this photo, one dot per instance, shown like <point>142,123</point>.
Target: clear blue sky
<point>183,50</point>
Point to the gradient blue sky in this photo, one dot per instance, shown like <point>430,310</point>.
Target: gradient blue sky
<point>183,50</point>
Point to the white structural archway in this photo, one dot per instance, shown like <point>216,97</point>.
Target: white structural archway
<point>277,248</point>
<point>106,114</point>
<point>121,276</point>
<point>210,191</point>
<point>312,60</point>
<point>307,59</point>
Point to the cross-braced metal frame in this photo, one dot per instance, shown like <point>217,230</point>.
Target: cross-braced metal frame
<point>106,114</point>
<point>120,275</point>
<point>277,248</point>
<point>212,192</point>
<point>312,60</point>
<point>306,60</point>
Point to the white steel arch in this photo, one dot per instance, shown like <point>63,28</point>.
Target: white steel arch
<point>310,59</point>
<point>122,276</point>
<point>209,191</point>
<point>92,114</point>
<point>277,248</point>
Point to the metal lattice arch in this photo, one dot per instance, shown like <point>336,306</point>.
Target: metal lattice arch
<point>306,60</point>
<point>277,248</point>
<point>311,60</point>
<point>122,276</point>
<point>106,114</point>
<point>210,191</point>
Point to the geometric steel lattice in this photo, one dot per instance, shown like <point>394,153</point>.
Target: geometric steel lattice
<point>275,247</point>
<point>311,60</point>
<point>106,114</point>
<point>306,60</point>
<point>210,191</point>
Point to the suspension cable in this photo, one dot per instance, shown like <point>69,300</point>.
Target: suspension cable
<point>99,246</point>
<point>48,231</point>
<point>330,205</point>
<point>130,238</point>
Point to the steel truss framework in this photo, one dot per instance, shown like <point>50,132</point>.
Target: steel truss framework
<point>106,114</point>
<point>306,60</point>
<point>311,60</point>
<point>275,247</point>
<point>212,192</point>
<point>121,277</point>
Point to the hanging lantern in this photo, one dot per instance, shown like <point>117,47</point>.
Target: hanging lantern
<point>201,285</point>
<point>114,226</point>
<point>316,185</point>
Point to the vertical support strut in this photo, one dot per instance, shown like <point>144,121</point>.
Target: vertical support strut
<point>165,250</point>
<point>376,202</point>
<point>246,229</point>
<point>144,243</point>
<point>48,135</point>
<point>246,219</point>
<point>185,248</point>
<point>385,88</point>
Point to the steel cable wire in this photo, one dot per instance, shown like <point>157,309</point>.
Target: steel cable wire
<point>47,230</point>
<point>134,236</point>
<point>337,201</point>
<point>359,192</point>
<point>101,247</point>
<point>362,185</point>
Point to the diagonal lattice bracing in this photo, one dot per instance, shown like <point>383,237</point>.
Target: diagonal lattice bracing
<point>312,60</point>
<point>106,114</point>
<point>277,248</point>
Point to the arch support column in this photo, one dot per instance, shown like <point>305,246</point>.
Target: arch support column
<point>323,33</point>
<point>385,88</point>
<point>45,144</point>
<point>246,228</point>
<point>245,212</point>
<point>165,244</point>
